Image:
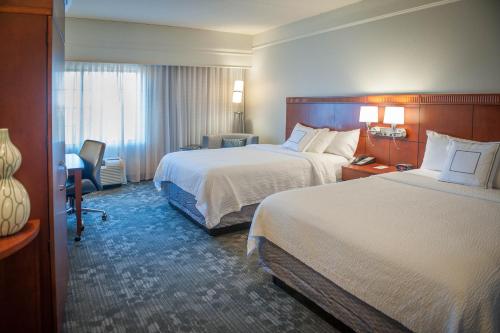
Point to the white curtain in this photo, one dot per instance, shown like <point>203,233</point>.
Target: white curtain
<point>201,102</point>
<point>143,112</point>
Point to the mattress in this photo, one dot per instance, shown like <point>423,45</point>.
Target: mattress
<point>423,252</point>
<point>225,180</point>
<point>186,203</point>
<point>331,298</point>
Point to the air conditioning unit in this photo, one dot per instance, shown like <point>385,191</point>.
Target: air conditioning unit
<point>113,172</point>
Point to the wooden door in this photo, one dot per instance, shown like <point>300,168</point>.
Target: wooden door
<point>59,250</point>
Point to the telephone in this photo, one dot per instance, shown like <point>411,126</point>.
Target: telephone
<point>363,160</point>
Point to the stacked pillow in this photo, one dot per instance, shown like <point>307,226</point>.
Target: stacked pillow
<point>322,140</point>
<point>307,139</point>
<point>463,161</point>
<point>344,144</point>
<point>300,138</point>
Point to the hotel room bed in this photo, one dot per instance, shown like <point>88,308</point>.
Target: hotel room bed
<point>220,188</point>
<point>400,251</point>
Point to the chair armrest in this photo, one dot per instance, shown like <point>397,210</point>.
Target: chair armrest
<point>211,141</point>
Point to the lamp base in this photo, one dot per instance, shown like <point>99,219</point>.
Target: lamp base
<point>388,132</point>
<point>238,122</point>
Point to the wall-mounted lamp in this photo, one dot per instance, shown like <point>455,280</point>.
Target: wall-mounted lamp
<point>394,115</point>
<point>238,121</point>
<point>368,114</point>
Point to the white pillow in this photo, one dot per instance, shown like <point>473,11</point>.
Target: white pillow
<point>300,138</point>
<point>344,143</point>
<point>470,163</point>
<point>436,150</point>
<point>321,141</point>
<point>436,153</point>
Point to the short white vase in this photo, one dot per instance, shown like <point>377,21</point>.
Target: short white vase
<point>14,200</point>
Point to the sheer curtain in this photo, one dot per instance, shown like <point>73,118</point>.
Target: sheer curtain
<point>143,112</point>
<point>201,102</point>
<point>116,104</point>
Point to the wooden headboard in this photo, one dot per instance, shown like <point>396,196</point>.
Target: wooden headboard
<point>469,116</point>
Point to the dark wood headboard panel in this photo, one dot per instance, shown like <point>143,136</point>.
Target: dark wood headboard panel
<point>469,116</point>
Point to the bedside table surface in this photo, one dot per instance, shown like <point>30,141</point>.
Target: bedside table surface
<point>370,168</point>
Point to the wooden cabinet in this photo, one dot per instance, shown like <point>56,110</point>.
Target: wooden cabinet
<point>31,107</point>
<point>352,171</point>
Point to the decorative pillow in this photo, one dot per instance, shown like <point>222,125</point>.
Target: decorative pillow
<point>230,143</point>
<point>321,141</point>
<point>470,163</point>
<point>300,138</point>
<point>436,150</point>
<point>344,143</point>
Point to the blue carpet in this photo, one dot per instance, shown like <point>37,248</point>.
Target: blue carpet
<point>148,269</point>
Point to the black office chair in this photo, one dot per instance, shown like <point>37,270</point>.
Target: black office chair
<point>92,153</point>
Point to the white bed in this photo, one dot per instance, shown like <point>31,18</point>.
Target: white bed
<point>423,252</point>
<point>225,180</point>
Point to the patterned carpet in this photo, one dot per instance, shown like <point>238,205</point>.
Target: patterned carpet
<point>148,269</point>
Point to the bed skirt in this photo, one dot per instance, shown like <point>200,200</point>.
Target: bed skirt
<point>334,300</point>
<point>186,203</point>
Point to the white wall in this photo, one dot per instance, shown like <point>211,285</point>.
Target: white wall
<point>122,42</point>
<point>447,46</point>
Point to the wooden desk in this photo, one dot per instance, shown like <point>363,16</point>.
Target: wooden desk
<point>75,166</point>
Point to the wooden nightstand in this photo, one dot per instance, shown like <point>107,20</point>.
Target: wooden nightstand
<point>352,171</point>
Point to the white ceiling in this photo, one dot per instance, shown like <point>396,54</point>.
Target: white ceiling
<point>238,16</point>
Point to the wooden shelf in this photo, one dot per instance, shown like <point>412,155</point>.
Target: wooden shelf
<point>11,244</point>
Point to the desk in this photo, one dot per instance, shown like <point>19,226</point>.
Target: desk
<point>75,166</point>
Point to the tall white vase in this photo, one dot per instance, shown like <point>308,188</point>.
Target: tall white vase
<point>14,200</point>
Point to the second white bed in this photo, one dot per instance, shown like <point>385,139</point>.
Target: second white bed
<point>423,252</point>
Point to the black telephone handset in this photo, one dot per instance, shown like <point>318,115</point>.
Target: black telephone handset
<point>363,160</point>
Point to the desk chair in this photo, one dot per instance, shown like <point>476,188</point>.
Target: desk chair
<point>91,153</point>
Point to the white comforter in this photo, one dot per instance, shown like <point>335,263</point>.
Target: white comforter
<point>224,180</point>
<point>423,252</point>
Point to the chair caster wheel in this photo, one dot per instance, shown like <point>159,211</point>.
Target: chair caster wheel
<point>104,217</point>
<point>77,238</point>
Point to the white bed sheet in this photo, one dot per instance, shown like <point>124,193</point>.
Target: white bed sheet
<point>224,180</point>
<point>423,252</point>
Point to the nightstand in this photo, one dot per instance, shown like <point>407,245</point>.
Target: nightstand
<point>352,171</point>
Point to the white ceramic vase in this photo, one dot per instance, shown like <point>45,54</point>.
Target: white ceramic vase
<point>14,200</point>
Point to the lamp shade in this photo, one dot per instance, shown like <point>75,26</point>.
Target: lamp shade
<point>237,96</point>
<point>238,85</point>
<point>394,115</point>
<point>368,114</point>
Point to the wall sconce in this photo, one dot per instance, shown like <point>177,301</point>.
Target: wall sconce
<point>394,115</point>
<point>368,115</point>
